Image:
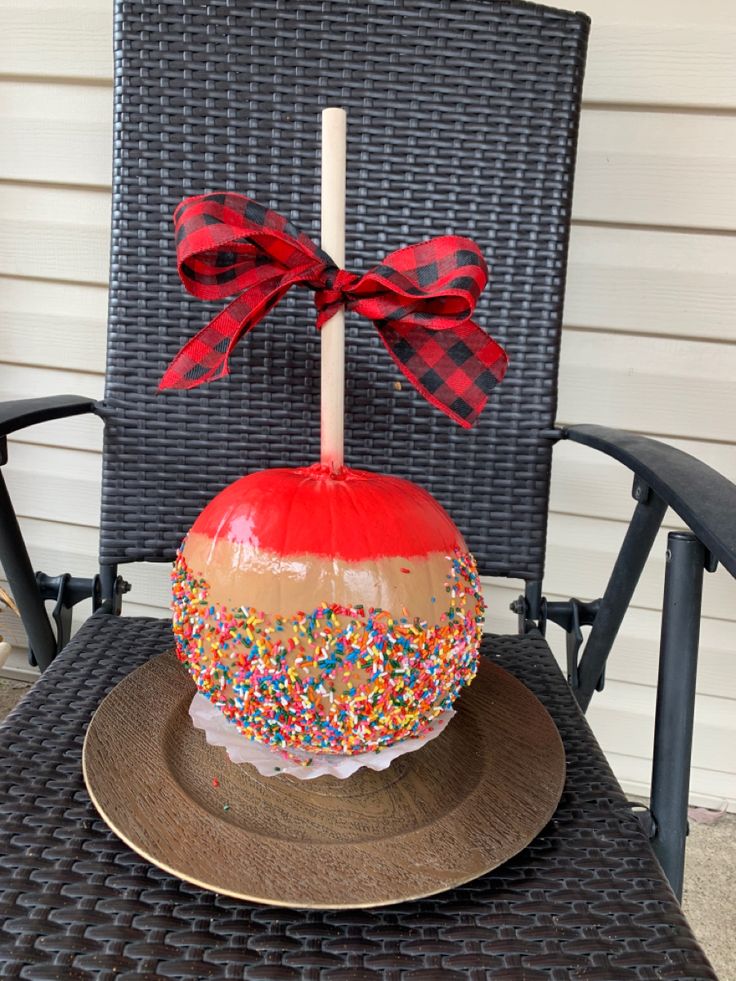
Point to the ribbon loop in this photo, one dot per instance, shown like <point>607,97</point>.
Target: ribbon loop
<point>420,298</point>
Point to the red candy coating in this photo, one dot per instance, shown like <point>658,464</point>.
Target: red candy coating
<point>308,510</point>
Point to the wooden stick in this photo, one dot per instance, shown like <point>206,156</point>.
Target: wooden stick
<point>333,332</point>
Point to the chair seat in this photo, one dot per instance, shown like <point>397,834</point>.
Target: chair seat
<point>585,900</point>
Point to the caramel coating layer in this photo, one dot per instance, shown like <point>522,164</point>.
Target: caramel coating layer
<point>239,574</point>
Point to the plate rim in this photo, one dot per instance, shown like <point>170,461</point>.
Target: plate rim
<point>486,664</point>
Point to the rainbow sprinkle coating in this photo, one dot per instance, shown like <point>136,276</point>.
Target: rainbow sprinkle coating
<point>337,679</point>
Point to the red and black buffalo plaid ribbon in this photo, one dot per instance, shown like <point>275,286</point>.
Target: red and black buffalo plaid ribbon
<point>420,298</point>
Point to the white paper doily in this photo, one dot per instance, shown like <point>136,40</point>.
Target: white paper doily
<point>273,762</point>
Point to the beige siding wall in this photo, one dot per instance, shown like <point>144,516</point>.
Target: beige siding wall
<point>650,336</point>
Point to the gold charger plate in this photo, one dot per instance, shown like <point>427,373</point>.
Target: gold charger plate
<point>461,805</point>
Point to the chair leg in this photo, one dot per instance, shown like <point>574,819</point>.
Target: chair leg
<point>673,734</point>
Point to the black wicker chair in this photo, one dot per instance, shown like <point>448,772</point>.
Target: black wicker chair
<point>463,117</point>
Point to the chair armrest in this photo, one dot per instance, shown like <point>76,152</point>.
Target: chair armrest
<point>702,497</point>
<point>21,413</point>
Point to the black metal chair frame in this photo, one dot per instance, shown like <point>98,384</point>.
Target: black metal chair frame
<point>663,477</point>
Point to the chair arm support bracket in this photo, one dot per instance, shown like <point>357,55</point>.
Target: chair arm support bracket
<point>66,591</point>
<point>572,615</point>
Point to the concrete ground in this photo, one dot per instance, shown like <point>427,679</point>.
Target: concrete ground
<point>709,900</point>
<point>710,875</point>
<point>10,692</point>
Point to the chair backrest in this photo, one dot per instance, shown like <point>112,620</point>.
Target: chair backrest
<point>463,118</point>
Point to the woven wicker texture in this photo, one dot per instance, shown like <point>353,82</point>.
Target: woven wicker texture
<point>585,900</point>
<point>463,118</point>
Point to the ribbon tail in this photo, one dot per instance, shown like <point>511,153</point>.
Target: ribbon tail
<point>455,370</point>
<point>205,357</point>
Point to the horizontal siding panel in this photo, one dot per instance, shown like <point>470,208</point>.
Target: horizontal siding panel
<point>59,484</point>
<point>55,484</point>
<point>55,325</point>
<point>622,706</point>
<point>624,722</point>
<point>669,52</point>
<point>661,65</point>
<point>55,233</point>
<point>56,38</point>
<point>653,52</point>
<point>708,788</point>
<point>580,556</point>
<point>631,279</point>
<point>645,384</point>
<point>635,657</point>
<point>619,280</point>
<point>62,485</point>
<point>656,168</point>
<point>56,133</point>
<point>632,734</point>
<point>17,667</point>
<point>55,547</point>
<point>648,384</point>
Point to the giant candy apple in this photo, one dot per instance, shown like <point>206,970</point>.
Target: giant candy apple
<point>332,612</point>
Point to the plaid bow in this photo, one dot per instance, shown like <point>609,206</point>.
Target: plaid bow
<point>419,298</point>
